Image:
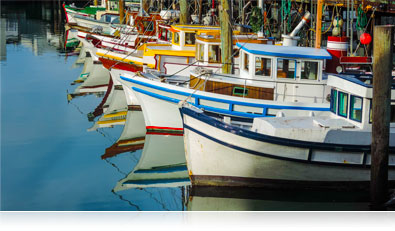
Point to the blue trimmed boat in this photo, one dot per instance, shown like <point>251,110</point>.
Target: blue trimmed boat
<point>327,151</point>
<point>272,78</point>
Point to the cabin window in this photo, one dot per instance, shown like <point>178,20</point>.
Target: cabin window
<point>343,102</point>
<point>176,38</point>
<point>169,35</point>
<point>214,54</point>
<point>356,108</point>
<point>235,53</point>
<point>333,100</point>
<point>190,38</point>
<point>263,66</point>
<point>240,91</point>
<point>200,52</point>
<point>309,70</point>
<point>246,61</point>
<point>370,112</point>
<point>392,116</point>
<point>163,34</point>
<point>148,25</point>
<point>286,68</point>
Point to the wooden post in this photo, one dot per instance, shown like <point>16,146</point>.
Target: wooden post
<point>121,9</point>
<point>146,4</point>
<point>200,11</point>
<point>383,40</point>
<point>319,24</point>
<point>225,19</point>
<point>184,16</point>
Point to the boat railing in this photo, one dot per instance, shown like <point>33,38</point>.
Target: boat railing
<point>271,80</point>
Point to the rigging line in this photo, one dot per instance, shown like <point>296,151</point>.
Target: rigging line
<point>155,199</point>
<point>116,167</point>
<point>133,51</point>
<point>128,201</point>
<point>364,31</point>
<point>140,41</point>
<point>104,135</point>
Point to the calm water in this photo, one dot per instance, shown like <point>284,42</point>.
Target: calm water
<point>49,161</point>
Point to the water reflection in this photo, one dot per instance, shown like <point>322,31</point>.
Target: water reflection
<point>132,137</point>
<point>40,28</point>
<point>252,199</point>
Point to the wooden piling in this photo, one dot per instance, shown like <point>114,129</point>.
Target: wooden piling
<point>146,4</point>
<point>381,108</point>
<point>200,11</point>
<point>184,15</point>
<point>226,37</point>
<point>121,9</point>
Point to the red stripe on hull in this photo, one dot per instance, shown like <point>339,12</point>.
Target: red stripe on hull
<point>163,128</point>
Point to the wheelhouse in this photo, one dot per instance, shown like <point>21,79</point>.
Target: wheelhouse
<point>284,63</point>
<point>351,99</point>
<point>208,47</point>
<point>184,36</point>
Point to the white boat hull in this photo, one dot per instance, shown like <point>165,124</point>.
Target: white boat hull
<point>159,102</point>
<point>225,158</point>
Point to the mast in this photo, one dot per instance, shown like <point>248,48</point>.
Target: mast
<point>226,37</point>
<point>121,11</point>
<point>319,24</point>
<point>184,16</point>
<point>260,5</point>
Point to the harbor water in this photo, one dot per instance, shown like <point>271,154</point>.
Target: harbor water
<point>53,160</point>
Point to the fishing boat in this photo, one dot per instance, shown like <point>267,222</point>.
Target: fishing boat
<point>132,137</point>
<point>271,78</point>
<point>207,55</point>
<point>181,50</point>
<point>127,39</point>
<point>162,164</point>
<point>72,11</point>
<point>327,151</point>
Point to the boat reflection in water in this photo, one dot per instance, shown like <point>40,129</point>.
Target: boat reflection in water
<point>162,164</point>
<point>94,78</point>
<point>160,174</point>
<point>113,108</point>
<point>259,199</point>
<point>132,137</point>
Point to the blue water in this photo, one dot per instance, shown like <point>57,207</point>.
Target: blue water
<point>48,159</point>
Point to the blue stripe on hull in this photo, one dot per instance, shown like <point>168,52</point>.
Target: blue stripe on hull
<point>231,103</point>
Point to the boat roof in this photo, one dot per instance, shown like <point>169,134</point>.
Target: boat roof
<point>195,28</point>
<point>242,38</point>
<point>285,51</point>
